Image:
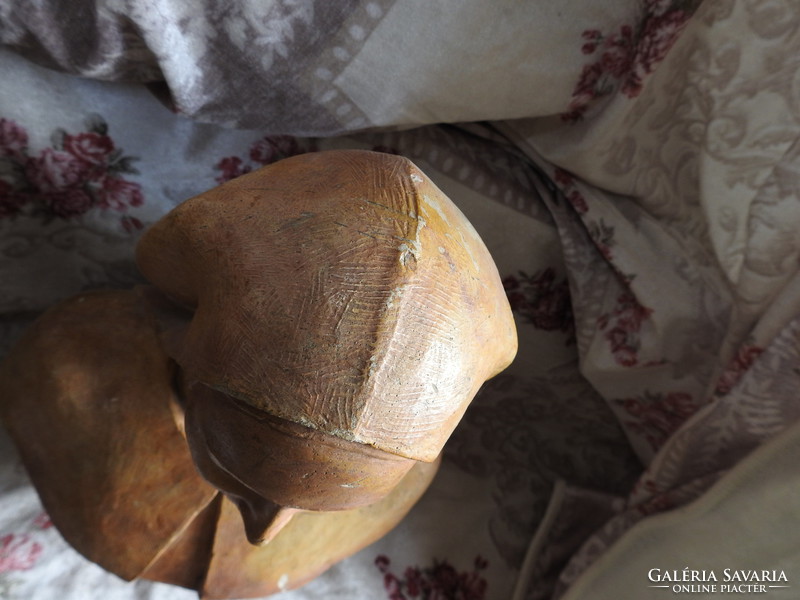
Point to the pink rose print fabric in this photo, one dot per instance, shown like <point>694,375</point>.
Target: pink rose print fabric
<point>267,150</point>
<point>19,552</point>
<point>626,57</point>
<point>80,172</point>
<point>440,581</point>
<point>542,299</point>
<point>621,328</point>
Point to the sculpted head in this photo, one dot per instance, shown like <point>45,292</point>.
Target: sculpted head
<point>341,313</point>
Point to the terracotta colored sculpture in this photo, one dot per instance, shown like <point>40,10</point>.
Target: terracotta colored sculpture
<point>314,330</point>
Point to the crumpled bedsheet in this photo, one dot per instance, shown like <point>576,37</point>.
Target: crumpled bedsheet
<point>633,168</point>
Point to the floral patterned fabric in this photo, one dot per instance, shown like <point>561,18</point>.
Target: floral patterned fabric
<point>77,173</point>
<point>633,169</point>
<point>322,68</point>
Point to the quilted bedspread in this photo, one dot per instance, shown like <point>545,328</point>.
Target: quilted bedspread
<point>632,165</point>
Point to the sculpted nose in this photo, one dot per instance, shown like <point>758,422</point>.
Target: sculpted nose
<point>262,518</point>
